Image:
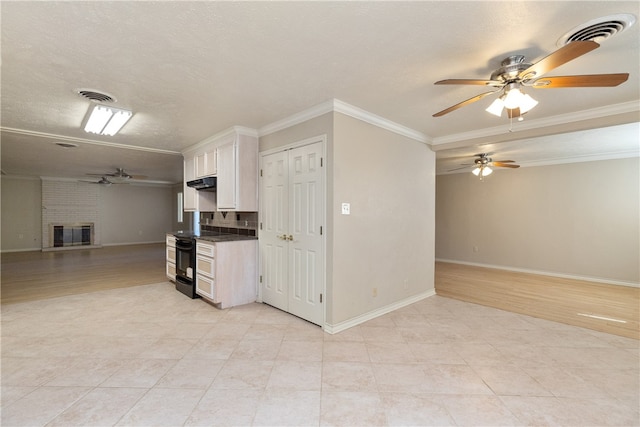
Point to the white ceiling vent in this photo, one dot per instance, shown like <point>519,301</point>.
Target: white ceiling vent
<point>599,29</point>
<point>95,96</point>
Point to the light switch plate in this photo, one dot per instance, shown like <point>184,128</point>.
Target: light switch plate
<point>346,208</point>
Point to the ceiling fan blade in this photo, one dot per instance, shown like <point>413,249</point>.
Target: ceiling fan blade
<point>590,80</point>
<point>470,82</point>
<point>561,56</point>
<point>505,165</point>
<point>460,168</point>
<point>138,176</point>
<point>463,103</point>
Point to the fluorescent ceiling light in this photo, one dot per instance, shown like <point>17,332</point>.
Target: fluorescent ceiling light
<point>107,120</point>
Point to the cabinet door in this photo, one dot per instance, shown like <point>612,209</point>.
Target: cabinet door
<point>205,287</point>
<point>211,162</point>
<point>171,271</point>
<point>201,165</point>
<point>205,266</point>
<point>189,194</point>
<point>227,176</point>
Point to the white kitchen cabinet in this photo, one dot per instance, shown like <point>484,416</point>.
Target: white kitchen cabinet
<point>195,200</point>
<point>206,163</point>
<point>232,157</point>
<point>227,272</point>
<point>238,175</point>
<point>171,257</point>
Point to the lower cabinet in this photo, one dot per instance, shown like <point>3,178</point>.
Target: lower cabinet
<point>227,272</point>
<point>171,258</point>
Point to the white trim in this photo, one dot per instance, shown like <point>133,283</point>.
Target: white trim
<point>339,327</point>
<point>545,273</point>
<point>381,122</point>
<point>560,119</point>
<point>87,141</point>
<point>7,251</point>
<point>232,131</point>
<point>335,105</point>
<point>301,117</point>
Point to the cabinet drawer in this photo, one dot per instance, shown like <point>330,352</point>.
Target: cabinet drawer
<point>171,254</point>
<point>171,241</point>
<point>171,271</point>
<point>206,287</point>
<point>205,266</point>
<point>205,249</point>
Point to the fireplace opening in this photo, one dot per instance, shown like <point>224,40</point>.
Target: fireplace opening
<point>71,235</point>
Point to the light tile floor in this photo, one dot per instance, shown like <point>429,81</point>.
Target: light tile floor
<point>149,356</point>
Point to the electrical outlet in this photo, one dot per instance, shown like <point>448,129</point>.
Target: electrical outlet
<point>346,208</point>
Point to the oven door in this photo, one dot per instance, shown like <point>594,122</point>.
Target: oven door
<point>185,259</point>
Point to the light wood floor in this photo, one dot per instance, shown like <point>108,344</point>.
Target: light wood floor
<point>552,298</point>
<point>36,275</point>
<point>27,276</point>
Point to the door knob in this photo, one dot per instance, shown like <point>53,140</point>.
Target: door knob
<point>290,237</point>
<point>283,237</point>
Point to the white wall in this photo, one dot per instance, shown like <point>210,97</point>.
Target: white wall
<point>577,219</point>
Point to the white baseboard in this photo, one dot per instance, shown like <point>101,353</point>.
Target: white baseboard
<point>545,273</point>
<point>334,329</point>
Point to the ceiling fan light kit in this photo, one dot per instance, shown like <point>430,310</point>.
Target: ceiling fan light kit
<point>107,120</point>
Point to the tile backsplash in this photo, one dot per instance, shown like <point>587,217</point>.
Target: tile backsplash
<point>245,223</point>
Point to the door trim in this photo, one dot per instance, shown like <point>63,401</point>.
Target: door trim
<point>322,139</point>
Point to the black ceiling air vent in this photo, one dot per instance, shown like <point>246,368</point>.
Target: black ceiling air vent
<point>95,95</point>
<point>598,30</point>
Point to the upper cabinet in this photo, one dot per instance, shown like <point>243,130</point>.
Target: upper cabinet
<point>193,199</point>
<point>232,157</point>
<point>238,175</point>
<point>207,163</point>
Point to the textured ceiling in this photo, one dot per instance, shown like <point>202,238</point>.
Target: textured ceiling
<point>189,70</point>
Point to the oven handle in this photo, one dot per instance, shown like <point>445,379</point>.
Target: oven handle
<point>183,280</point>
<point>185,245</point>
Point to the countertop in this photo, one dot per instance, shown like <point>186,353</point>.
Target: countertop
<point>212,236</point>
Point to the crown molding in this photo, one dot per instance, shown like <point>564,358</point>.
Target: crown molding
<point>335,105</point>
<point>227,133</point>
<point>86,141</point>
<point>561,119</point>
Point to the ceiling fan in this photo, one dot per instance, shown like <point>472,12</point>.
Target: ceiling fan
<point>483,162</point>
<point>119,174</point>
<point>103,181</point>
<point>515,73</point>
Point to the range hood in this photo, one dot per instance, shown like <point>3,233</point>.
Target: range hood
<point>203,184</point>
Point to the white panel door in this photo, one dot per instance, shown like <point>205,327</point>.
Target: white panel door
<point>273,246</point>
<point>305,244</point>
<point>291,242</point>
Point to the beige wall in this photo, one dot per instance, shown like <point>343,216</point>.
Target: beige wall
<point>125,212</point>
<point>577,219</point>
<point>135,213</point>
<point>387,242</point>
<point>21,213</point>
